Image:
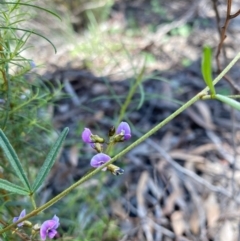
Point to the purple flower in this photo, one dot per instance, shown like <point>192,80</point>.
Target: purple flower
<point>48,228</point>
<point>86,135</point>
<point>124,130</point>
<point>22,214</point>
<point>99,159</point>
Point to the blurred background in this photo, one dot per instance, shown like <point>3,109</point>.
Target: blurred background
<point>183,182</point>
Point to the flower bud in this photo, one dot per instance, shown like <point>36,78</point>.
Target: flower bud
<point>111,131</point>
<point>97,146</point>
<point>97,139</point>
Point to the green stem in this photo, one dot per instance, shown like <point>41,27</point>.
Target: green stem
<point>130,147</point>
<point>130,95</point>
<point>209,97</point>
<point>109,148</point>
<point>33,201</point>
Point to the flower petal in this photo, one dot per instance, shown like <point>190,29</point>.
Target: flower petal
<point>99,159</point>
<point>52,233</point>
<point>86,135</point>
<point>22,214</point>
<point>127,136</point>
<point>56,219</point>
<point>124,129</point>
<point>43,230</point>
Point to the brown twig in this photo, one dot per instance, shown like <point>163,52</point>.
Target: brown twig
<point>222,32</point>
<point>235,14</point>
<point>223,35</point>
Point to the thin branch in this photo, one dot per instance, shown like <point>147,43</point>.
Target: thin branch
<point>235,14</point>
<point>222,32</point>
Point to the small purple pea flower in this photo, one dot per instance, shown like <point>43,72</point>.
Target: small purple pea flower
<point>22,214</point>
<point>48,228</point>
<point>99,159</point>
<point>124,131</point>
<point>86,135</point>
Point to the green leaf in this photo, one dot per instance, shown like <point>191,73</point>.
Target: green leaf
<point>31,32</point>
<point>50,159</point>
<point>33,6</point>
<point>233,103</point>
<point>207,68</point>
<point>142,96</point>
<point>8,186</point>
<point>13,159</point>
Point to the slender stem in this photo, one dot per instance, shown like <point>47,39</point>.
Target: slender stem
<point>208,97</point>
<point>130,95</point>
<point>33,201</point>
<point>109,148</point>
<point>130,147</point>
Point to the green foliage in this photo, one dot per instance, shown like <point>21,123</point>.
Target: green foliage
<point>157,8</point>
<point>13,188</point>
<point>24,98</point>
<point>183,30</point>
<point>233,103</point>
<point>207,68</point>
<point>13,159</point>
<point>50,159</point>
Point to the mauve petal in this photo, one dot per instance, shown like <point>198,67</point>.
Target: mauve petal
<point>56,219</point>
<point>99,159</point>
<point>15,219</point>
<point>43,229</point>
<point>52,233</point>
<point>127,136</point>
<point>22,214</point>
<point>48,228</point>
<point>124,129</point>
<point>86,135</point>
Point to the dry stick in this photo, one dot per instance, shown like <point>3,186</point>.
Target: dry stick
<point>229,80</point>
<point>187,172</point>
<point>233,137</point>
<point>217,16</point>
<point>223,33</point>
<point>127,149</point>
<point>223,36</point>
<point>235,14</point>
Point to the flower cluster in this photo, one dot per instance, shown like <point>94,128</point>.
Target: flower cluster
<point>121,134</point>
<point>47,229</point>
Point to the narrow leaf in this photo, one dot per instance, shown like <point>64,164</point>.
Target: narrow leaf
<point>207,68</point>
<point>142,96</point>
<point>13,159</point>
<point>8,186</point>
<point>50,159</point>
<point>31,32</point>
<point>34,6</point>
<point>233,103</point>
